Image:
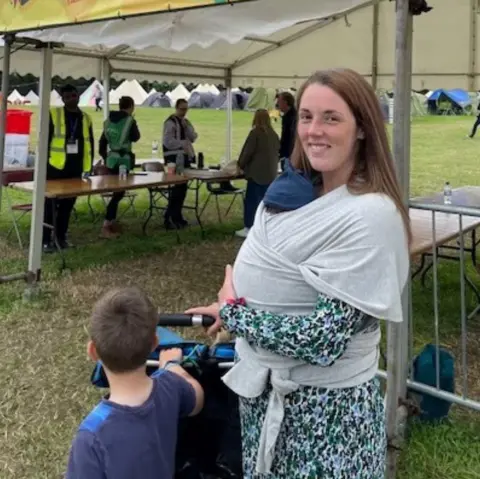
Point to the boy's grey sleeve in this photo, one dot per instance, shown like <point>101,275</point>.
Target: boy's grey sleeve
<point>85,460</point>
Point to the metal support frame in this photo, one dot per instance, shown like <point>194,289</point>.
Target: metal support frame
<point>397,333</point>
<point>229,132</point>
<point>4,104</point>
<point>35,253</point>
<point>375,26</point>
<point>472,51</point>
<point>106,73</point>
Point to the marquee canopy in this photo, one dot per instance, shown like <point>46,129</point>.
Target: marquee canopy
<point>20,15</point>
<point>262,49</point>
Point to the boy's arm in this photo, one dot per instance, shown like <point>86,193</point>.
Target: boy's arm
<point>169,358</point>
<point>84,460</point>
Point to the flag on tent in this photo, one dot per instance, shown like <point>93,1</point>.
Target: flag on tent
<point>18,15</point>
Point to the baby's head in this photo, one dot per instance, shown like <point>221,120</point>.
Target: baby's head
<point>123,330</point>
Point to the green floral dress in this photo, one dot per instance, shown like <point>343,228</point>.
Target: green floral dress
<point>327,434</point>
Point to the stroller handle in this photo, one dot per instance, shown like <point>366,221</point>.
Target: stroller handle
<point>185,320</point>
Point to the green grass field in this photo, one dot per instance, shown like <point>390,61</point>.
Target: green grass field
<point>45,373</point>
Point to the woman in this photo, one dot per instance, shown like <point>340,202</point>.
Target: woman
<point>259,162</point>
<point>326,259</point>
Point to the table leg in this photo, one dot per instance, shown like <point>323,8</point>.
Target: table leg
<point>150,211</point>
<point>476,292</point>
<point>197,206</point>
<point>63,265</point>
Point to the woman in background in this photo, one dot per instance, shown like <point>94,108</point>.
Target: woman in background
<point>259,162</point>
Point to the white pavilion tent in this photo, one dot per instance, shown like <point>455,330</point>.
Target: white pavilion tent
<point>32,98</point>
<point>239,44</point>
<point>15,98</point>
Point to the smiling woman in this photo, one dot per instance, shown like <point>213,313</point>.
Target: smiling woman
<point>325,261</point>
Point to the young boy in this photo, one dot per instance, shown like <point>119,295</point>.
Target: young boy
<point>133,432</point>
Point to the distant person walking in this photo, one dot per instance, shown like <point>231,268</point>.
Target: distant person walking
<point>476,124</point>
<point>98,98</point>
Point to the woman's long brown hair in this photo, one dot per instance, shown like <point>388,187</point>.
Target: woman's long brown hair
<point>374,170</point>
<point>261,119</point>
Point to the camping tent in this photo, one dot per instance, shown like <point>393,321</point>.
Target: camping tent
<point>113,97</point>
<point>261,98</point>
<point>87,98</point>
<point>133,89</point>
<point>201,100</point>
<point>206,88</point>
<point>15,98</point>
<point>455,101</point>
<point>180,92</point>
<point>31,98</point>
<point>239,100</point>
<point>55,98</point>
<point>158,100</point>
<point>418,104</point>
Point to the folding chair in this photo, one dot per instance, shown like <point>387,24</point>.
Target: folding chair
<point>158,193</point>
<point>216,190</point>
<point>16,176</point>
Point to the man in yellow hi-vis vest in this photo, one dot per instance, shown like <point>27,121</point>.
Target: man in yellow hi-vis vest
<point>71,152</point>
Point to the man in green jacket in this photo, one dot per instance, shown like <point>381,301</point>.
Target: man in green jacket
<point>115,147</point>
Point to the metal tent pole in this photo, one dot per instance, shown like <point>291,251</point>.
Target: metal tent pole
<point>35,252</point>
<point>106,73</point>
<point>397,340</point>
<point>7,49</point>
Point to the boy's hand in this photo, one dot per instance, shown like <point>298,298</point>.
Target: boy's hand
<point>174,354</point>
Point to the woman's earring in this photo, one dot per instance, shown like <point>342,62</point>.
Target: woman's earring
<point>361,135</point>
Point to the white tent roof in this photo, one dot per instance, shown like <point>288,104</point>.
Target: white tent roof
<point>55,98</point>
<point>15,97</point>
<point>32,98</point>
<point>206,88</point>
<point>113,97</point>
<point>131,88</point>
<point>87,98</point>
<point>179,92</point>
<point>197,45</point>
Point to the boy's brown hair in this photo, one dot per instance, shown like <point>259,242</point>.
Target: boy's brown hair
<point>122,328</point>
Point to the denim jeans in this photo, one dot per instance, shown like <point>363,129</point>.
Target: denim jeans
<point>253,197</point>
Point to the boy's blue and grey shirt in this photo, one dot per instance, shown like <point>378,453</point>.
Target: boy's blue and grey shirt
<point>123,442</point>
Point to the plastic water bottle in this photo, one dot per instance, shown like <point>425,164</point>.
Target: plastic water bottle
<point>154,149</point>
<point>447,194</point>
<point>122,172</point>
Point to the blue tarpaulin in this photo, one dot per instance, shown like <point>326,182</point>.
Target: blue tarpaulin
<point>457,96</point>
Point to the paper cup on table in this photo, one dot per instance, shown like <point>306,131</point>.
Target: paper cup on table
<point>171,168</point>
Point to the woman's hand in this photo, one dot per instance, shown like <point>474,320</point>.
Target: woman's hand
<point>226,293</point>
<point>212,310</point>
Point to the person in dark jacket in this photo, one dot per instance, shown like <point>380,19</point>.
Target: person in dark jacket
<point>259,162</point>
<point>179,135</point>
<point>286,104</point>
<point>70,154</point>
<point>115,147</point>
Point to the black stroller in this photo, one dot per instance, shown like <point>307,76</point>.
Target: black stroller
<point>209,445</point>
